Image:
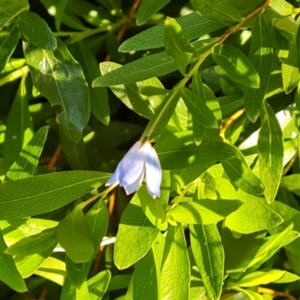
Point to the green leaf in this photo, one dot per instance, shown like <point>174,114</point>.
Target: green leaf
<point>99,97</point>
<point>193,26</point>
<point>152,209</point>
<point>237,65</point>
<point>162,116</point>
<point>214,9</point>
<point>97,220</point>
<point>242,177</point>
<point>74,236</point>
<point>77,273</point>
<point>130,95</point>
<point>98,285</point>
<point>177,150</point>
<point>25,165</point>
<point>9,11</point>
<point>46,193</point>
<point>36,30</point>
<point>149,66</point>
<point>198,109</point>
<point>8,44</point>
<point>144,280</point>
<point>135,236</point>
<point>270,247</point>
<point>240,251</point>
<point>262,56</point>
<point>9,273</point>
<point>17,134</point>
<point>203,211</point>
<point>175,272</point>
<point>254,215</point>
<point>208,252</point>
<point>60,79</point>
<point>35,243</point>
<point>270,152</point>
<point>289,70</point>
<point>262,277</point>
<point>60,10</point>
<point>147,9</point>
<point>291,182</point>
<point>177,46</point>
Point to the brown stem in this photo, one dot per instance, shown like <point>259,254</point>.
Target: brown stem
<point>54,158</point>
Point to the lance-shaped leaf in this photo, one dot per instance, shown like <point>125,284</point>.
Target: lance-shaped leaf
<point>98,285</point>
<point>144,280</point>
<point>254,215</point>
<point>25,165</point>
<point>242,176</point>
<point>270,152</point>
<point>8,44</point>
<point>217,10</point>
<point>262,56</point>
<point>10,10</point>
<point>9,273</point>
<point>17,134</point>
<point>177,46</point>
<point>193,26</point>
<point>74,236</point>
<point>203,211</point>
<point>147,9</point>
<point>60,79</point>
<point>177,151</point>
<point>135,236</point>
<point>208,252</point>
<point>36,30</point>
<point>237,65</point>
<point>198,109</point>
<point>175,271</point>
<point>43,193</point>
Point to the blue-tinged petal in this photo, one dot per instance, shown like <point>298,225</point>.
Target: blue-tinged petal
<point>114,177</point>
<point>153,173</point>
<point>131,188</point>
<point>132,165</point>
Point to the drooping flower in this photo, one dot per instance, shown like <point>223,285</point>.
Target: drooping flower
<point>141,161</point>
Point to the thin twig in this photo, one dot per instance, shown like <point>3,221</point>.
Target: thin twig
<point>276,293</point>
<point>54,158</point>
<point>227,123</point>
<point>126,25</point>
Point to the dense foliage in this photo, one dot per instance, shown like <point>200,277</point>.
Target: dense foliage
<point>213,86</point>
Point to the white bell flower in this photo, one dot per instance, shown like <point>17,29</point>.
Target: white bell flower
<point>141,161</point>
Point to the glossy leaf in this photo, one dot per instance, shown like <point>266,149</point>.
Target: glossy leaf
<point>9,11</point>
<point>35,243</point>
<point>135,235</point>
<point>25,165</point>
<point>98,285</point>
<point>208,252</point>
<point>217,10</point>
<point>198,109</point>
<point>270,152</point>
<point>242,177</point>
<point>177,151</point>
<point>46,193</point>
<point>144,281</point>
<point>262,57</point>
<point>36,30</point>
<point>237,65</point>
<point>254,215</point>
<point>60,79</point>
<point>147,9</point>
<point>175,272</point>
<point>291,182</point>
<point>18,134</point>
<point>193,26</point>
<point>9,273</point>
<point>74,236</point>
<point>7,45</point>
<point>203,211</point>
